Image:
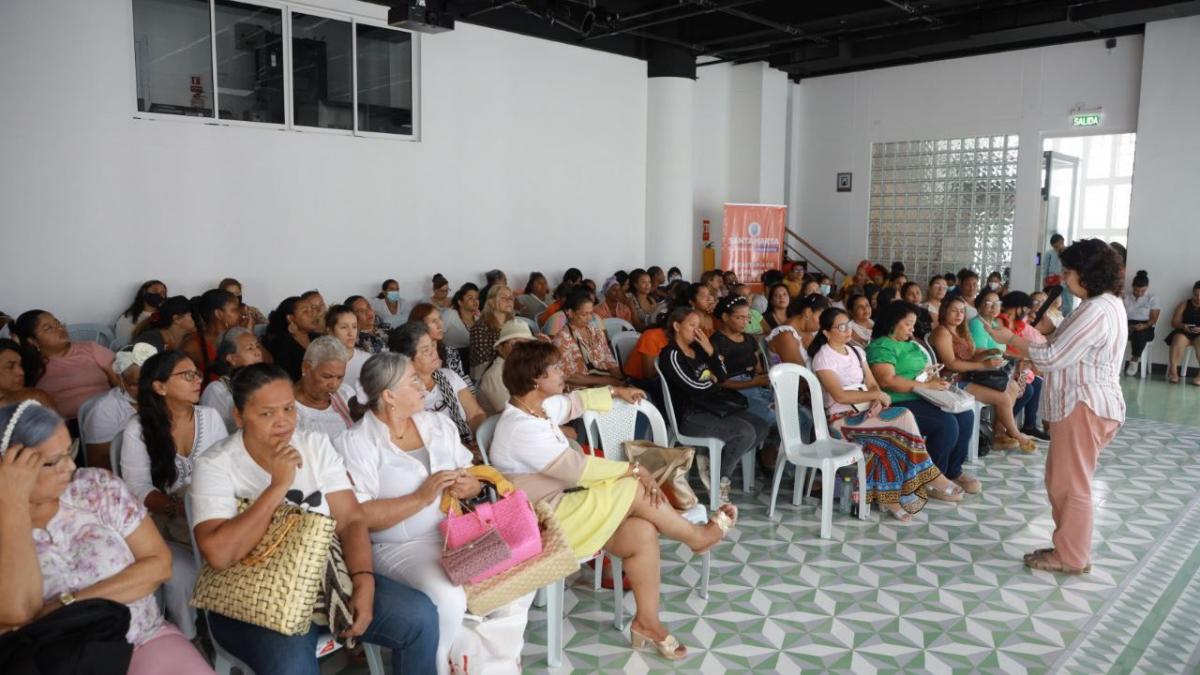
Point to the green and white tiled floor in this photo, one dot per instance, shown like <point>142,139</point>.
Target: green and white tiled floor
<point>947,593</point>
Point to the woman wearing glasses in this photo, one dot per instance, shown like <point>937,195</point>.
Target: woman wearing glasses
<point>158,449</point>
<point>989,305</point>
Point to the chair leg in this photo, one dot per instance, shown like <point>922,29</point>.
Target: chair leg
<point>973,446</point>
<point>828,473</point>
<point>222,665</point>
<point>539,598</point>
<point>598,574</point>
<point>554,623</point>
<point>812,477</point>
<point>714,478</point>
<point>374,659</point>
<point>705,569</point>
<point>779,466</point>
<point>618,594</point>
<point>748,461</point>
<point>798,485</point>
<point>864,508</point>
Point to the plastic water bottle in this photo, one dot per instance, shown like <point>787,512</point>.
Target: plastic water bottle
<point>844,494</point>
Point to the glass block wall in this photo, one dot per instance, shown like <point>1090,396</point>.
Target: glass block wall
<point>938,206</point>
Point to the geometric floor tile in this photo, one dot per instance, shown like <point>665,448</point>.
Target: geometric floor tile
<point>945,594</point>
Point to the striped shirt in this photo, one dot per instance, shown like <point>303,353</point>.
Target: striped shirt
<point>1082,361</point>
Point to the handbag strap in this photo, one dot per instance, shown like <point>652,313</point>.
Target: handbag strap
<point>292,520</point>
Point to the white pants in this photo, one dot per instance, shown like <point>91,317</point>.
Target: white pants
<point>493,643</point>
<point>178,589</point>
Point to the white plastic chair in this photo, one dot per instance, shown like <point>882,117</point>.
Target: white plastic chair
<point>715,447</point>
<point>823,453</point>
<point>610,431</point>
<point>973,446</point>
<point>91,332</point>
<point>1187,362</point>
<point>85,412</point>
<point>483,436</point>
<point>614,326</point>
<point>224,662</point>
<point>533,326</point>
<point>623,344</point>
<point>114,453</point>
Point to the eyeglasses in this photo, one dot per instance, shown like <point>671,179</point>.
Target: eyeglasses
<point>842,327</point>
<point>991,303</point>
<point>58,463</point>
<point>188,375</point>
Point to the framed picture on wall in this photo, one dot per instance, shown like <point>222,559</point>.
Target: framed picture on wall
<point>844,181</point>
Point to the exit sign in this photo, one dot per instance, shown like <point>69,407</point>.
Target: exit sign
<point>1091,119</point>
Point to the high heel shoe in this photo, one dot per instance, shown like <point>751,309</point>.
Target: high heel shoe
<point>667,648</point>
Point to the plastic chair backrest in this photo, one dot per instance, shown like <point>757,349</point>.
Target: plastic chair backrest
<point>785,381</point>
<point>483,436</point>
<point>623,344</point>
<point>533,326</point>
<point>91,332</point>
<point>666,390</point>
<point>114,453</point>
<point>610,430</point>
<point>614,326</point>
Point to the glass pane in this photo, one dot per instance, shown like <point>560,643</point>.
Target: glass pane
<point>385,82</point>
<point>173,54</point>
<point>1099,159</point>
<point>249,62</point>
<point>1120,207</point>
<point>1095,207</point>
<point>322,72</point>
<point>1125,155</point>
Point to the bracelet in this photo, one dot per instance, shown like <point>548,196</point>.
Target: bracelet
<point>354,574</point>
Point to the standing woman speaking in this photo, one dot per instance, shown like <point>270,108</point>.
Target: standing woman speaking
<point>1081,398</point>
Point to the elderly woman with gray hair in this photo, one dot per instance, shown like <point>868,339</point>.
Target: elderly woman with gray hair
<point>322,400</point>
<point>238,348</point>
<point>72,535</point>
<point>401,458</point>
<point>445,391</point>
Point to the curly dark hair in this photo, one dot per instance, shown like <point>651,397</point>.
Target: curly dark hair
<point>1099,267</point>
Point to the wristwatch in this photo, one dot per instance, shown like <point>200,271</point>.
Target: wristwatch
<point>65,598</point>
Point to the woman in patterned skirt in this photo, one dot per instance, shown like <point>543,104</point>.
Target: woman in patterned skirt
<point>900,474</point>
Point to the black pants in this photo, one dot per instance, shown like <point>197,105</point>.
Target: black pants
<point>1138,339</point>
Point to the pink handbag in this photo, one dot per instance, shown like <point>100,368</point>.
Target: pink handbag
<point>512,516</point>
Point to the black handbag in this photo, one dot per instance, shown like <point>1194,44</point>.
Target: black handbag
<point>84,638</point>
<point>992,379</point>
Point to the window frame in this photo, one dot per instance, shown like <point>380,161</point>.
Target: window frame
<point>287,9</point>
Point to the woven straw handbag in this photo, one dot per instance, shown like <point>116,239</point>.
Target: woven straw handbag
<point>556,561</point>
<point>277,584</point>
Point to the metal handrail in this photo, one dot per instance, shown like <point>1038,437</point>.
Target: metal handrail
<point>837,268</point>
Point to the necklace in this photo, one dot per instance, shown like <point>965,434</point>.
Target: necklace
<point>521,404</point>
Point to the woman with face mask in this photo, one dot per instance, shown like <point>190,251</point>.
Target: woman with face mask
<point>149,297</point>
<point>996,283</point>
<point>389,306</point>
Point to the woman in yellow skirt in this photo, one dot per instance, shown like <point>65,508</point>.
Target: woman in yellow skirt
<point>601,504</point>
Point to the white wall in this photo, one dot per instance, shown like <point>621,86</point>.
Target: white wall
<point>529,149</point>
<point>1029,92</point>
<point>1164,230</point>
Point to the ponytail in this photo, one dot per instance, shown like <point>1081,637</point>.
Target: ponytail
<point>827,318</point>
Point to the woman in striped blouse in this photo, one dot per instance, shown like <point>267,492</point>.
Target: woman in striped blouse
<point>1082,396</point>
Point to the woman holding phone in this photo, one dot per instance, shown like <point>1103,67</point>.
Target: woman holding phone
<point>1082,396</point>
<point>1186,322</point>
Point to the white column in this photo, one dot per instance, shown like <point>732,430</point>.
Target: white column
<point>672,239</point>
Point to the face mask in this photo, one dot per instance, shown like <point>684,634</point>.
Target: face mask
<point>825,289</point>
<point>153,299</point>
<point>393,296</point>
<point>674,277</point>
<point>995,285</point>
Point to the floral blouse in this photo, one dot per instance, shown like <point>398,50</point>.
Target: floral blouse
<point>583,350</point>
<point>84,543</point>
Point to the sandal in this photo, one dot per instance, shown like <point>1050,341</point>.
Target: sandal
<point>725,517</point>
<point>1173,376</point>
<point>1043,559</point>
<point>668,648</point>
<point>954,494</point>
<point>900,515</point>
<point>969,484</point>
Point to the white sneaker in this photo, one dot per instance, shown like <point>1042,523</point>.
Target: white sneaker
<point>1132,368</point>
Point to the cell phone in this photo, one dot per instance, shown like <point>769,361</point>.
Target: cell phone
<point>1051,296</point>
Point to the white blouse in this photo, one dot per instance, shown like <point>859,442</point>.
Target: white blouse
<point>354,369</point>
<point>333,421</point>
<point>524,443</point>
<point>218,397</point>
<point>458,336</point>
<point>135,460</point>
<point>385,315</point>
<point>107,416</point>
<point>380,470</point>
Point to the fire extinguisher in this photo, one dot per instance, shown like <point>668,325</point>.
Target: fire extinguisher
<point>709,253</point>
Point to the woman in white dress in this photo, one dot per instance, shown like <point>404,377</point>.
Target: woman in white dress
<point>159,446</point>
<point>401,459</point>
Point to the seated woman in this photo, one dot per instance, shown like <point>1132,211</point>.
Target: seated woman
<point>372,338</point>
<point>703,301</point>
<point>451,358</point>
<point>342,323</point>
<point>693,371</point>
<point>170,326</point>
<point>251,316</point>
<point>536,297</point>
<point>901,367</point>
<point>290,329</point>
<point>265,462</point>
<point>445,391</point>
<point>149,297</point>
<point>995,283</point>
<point>497,310</point>
<point>639,365</point>
<point>789,342</point>
<point>322,398</point>
<point>644,304</point>
<point>778,299</point>
<point>900,473</point>
<point>460,318</point>
<point>159,448</point>
<point>69,372</point>
<point>746,372</point>
<point>239,348</point>
<point>616,304</point>
<point>76,535</point>
<point>1016,311</point>
<point>389,306</point>
<point>937,293</point>
<point>12,377</point>
<point>987,306</point>
<point>861,325</point>
<point>440,292</point>
<point>218,312</point>
<point>621,510</point>
<point>1143,310</point>
<point>113,409</point>
<point>1185,322</point>
<point>561,292</point>
<point>401,458</point>
<point>493,396</point>
<point>588,361</point>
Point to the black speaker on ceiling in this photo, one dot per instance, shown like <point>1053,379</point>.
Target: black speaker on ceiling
<point>422,16</point>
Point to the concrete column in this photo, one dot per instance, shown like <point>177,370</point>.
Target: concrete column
<point>671,236</point>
